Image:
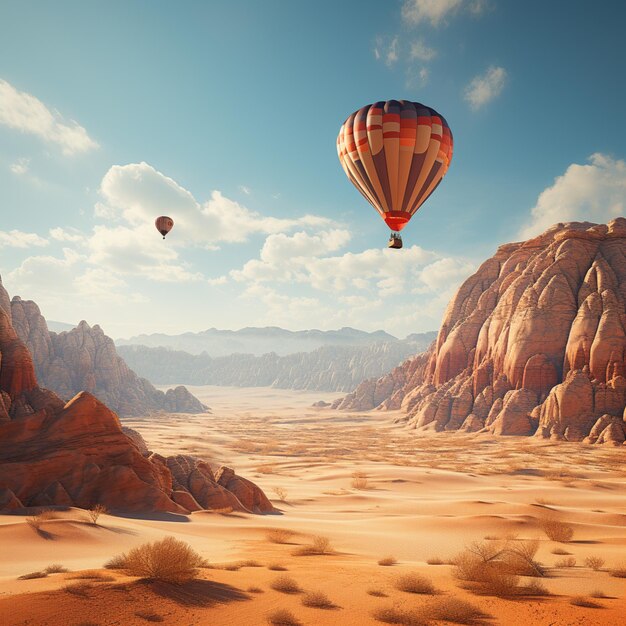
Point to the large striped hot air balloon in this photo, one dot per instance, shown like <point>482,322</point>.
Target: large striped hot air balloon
<point>164,224</point>
<point>395,153</point>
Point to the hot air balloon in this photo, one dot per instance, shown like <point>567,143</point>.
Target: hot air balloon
<point>164,224</point>
<point>395,153</point>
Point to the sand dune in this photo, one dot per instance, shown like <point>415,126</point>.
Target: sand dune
<point>416,498</point>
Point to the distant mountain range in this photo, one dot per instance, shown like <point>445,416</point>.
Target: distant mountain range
<point>258,341</point>
<point>338,367</point>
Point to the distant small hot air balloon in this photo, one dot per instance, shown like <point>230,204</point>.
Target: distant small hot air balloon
<point>164,224</point>
<point>395,153</point>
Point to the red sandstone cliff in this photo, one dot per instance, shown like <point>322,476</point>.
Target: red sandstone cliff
<point>77,454</point>
<point>85,359</point>
<point>533,343</point>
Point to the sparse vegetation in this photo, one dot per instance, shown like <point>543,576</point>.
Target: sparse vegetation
<point>320,545</point>
<point>568,561</point>
<point>619,571</point>
<point>594,562</point>
<point>285,584</point>
<point>279,535</point>
<point>435,561</point>
<point>55,568</point>
<point>598,593</point>
<point>560,552</point>
<point>117,562</point>
<point>359,480</point>
<point>534,588</point>
<point>414,583</point>
<point>36,521</point>
<point>584,602</point>
<point>317,600</point>
<point>90,574</point>
<point>33,575</point>
<point>277,567</point>
<point>557,530</point>
<point>96,512</point>
<point>454,610</point>
<point>168,560</point>
<point>393,615</point>
<point>388,561</point>
<point>79,589</point>
<point>280,493</point>
<point>282,617</point>
<point>377,593</point>
<point>150,616</point>
<point>255,590</point>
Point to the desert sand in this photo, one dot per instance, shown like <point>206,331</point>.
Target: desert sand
<point>372,487</point>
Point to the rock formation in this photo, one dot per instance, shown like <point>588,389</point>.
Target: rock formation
<point>85,359</point>
<point>329,368</point>
<point>533,343</point>
<point>77,453</point>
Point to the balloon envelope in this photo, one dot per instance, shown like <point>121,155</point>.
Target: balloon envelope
<point>395,153</point>
<point>164,224</point>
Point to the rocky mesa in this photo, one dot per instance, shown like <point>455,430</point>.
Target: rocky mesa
<point>85,359</point>
<point>77,453</point>
<point>534,343</point>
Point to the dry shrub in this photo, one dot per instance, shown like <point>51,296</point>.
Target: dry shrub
<point>560,552</point>
<point>168,560</point>
<point>619,571</point>
<point>90,574</point>
<point>317,600</point>
<point>598,593</point>
<point>231,567</point>
<point>55,568</point>
<point>388,561</point>
<point>377,593</point>
<point>279,535</point>
<point>569,561</point>
<point>320,545</point>
<point>285,584</point>
<point>393,615</point>
<point>282,617</point>
<point>32,576</point>
<point>435,561</point>
<point>277,567</point>
<point>414,583</point>
<point>249,563</point>
<point>150,616</point>
<point>359,480</point>
<point>584,602</point>
<point>557,530</point>
<point>117,562</point>
<point>96,512</point>
<point>281,493</point>
<point>534,588</point>
<point>255,590</point>
<point>594,562</point>
<point>454,610</point>
<point>79,589</point>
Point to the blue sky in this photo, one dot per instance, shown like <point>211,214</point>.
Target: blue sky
<point>224,115</point>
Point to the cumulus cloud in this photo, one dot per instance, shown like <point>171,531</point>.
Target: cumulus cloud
<point>24,112</point>
<point>20,167</point>
<point>421,52</point>
<point>20,239</point>
<point>593,192</point>
<point>137,193</point>
<point>415,12</point>
<point>484,88</point>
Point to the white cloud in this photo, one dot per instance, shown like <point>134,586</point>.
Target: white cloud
<point>245,189</point>
<point>20,167</point>
<point>23,112</point>
<point>478,7</point>
<point>20,239</point>
<point>389,52</point>
<point>593,192</point>
<point>415,12</point>
<point>484,88</point>
<point>138,193</point>
<point>67,234</point>
<point>421,52</point>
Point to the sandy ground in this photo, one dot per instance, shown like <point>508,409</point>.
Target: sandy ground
<point>414,498</point>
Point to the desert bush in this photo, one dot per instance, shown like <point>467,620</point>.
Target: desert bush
<point>359,480</point>
<point>280,493</point>
<point>282,617</point>
<point>96,512</point>
<point>231,567</point>
<point>435,560</point>
<point>279,535</point>
<point>568,561</point>
<point>560,552</point>
<point>92,575</point>
<point>168,560</point>
<point>584,602</point>
<point>320,545</point>
<point>393,615</point>
<point>454,610</point>
<point>255,590</point>
<point>55,568</point>
<point>594,562</point>
<point>117,562</point>
<point>556,530</point>
<point>519,557</point>
<point>150,616</point>
<point>534,588</point>
<point>277,567</point>
<point>619,571</point>
<point>598,593</point>
<point>79,589</point>
<point>285,584</point>
<point>414,583</point>
<point>377,593</point>
<point>387,561</point>
<point>317,600</point>
<point>32,576</point>
<point>249,563</point>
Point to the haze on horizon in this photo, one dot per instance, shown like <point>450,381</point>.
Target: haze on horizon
<point>225,115</point>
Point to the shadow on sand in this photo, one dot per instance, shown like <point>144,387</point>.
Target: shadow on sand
<point>197,592</point>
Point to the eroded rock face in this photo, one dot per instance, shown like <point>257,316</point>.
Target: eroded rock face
<point>533,343</point>
<point>77,454</point>
<point>85,359</point>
